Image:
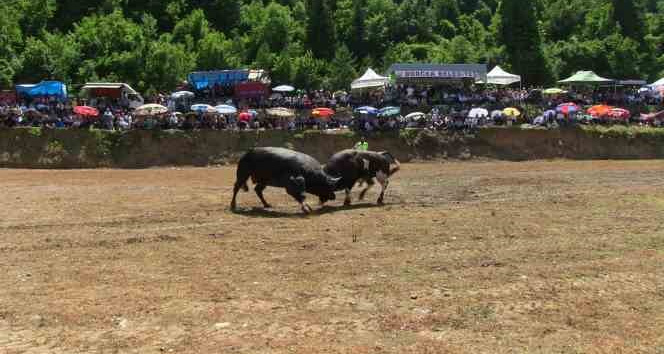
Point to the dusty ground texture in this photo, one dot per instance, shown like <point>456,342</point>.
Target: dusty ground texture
<point>491,257</point>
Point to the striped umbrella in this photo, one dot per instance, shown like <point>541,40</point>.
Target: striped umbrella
<point>568,108</point>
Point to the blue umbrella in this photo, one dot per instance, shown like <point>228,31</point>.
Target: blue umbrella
<point>366,110</point>
<point>389,111</point>
<point>225,109</point>
<point>203,108</point>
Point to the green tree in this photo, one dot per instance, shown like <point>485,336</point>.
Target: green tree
<point>11,38</point>
<point>55,57</point>
<point>320,29</point>
<point>519,32</point>
<point>357,42</point>
<point>308,72</point>
<point>342,70</point>
<point>166,65</point>
<point>191,29</point>
<point>629,14</point>
<point>216,52</point>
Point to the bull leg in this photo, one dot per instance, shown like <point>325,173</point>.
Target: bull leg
<point>384,181</point>
<point>239,184</point>
<point>347,200</point>
<point>259,192</point>
<point>370,184</point>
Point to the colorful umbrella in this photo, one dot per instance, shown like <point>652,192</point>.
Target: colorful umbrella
<point>389,111</point>
<point>225,109</point>
<point>568,108</point>
<point>86,111</point>
<point>599,110</point>
<point>366,110</point>
<point>619,113</point>
<point>322,112</point>
<point>150,109</point>
<point>511,112</point>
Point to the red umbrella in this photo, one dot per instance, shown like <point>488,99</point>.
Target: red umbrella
<point>620,113</point>
<point>322,112</point>
<point>86,111</point>
<point>245,117</point>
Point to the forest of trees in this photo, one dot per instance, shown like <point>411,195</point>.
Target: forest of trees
<point>153,44</point>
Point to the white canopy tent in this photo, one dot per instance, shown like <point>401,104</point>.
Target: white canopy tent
<point>657,83</point>
<point>498,76</point>
<point>368,80</point>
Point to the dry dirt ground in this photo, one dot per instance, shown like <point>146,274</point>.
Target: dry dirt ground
<point>475,257</point>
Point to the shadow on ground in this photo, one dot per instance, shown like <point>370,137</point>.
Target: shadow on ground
<point>269,213</point>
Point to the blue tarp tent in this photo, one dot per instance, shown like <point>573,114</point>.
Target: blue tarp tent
<point>44,88</point>
<point>204,79</point>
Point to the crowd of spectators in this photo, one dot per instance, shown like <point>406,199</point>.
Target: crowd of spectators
<point>446,109</point>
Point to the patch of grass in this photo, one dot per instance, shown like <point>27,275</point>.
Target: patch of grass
<point>35,131</point>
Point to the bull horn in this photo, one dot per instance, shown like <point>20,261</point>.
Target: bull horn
<point>334,181</point>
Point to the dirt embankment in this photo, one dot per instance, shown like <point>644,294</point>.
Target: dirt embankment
<point>39,148</point>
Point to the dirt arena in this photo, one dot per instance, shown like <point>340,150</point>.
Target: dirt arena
<point>473,257</point>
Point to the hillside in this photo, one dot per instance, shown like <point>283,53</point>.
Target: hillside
<point>152,44</point>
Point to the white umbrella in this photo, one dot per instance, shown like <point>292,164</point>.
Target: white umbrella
<point>416,116</point>
<point>150,109</point>
<point>478,112</point>
<point>496,114</point>
<point>182,94</point>
<point>284,88</point>
<point>225,109</point>
<point>205,108</point>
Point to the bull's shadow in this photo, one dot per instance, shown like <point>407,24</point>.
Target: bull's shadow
<point>326,209</point>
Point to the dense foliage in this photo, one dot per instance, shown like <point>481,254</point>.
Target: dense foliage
<point>153,44</point>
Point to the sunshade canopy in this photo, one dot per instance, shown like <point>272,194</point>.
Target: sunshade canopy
<point>44,88</point>
<point>368,80</point>
<point>585,77</point>
<point>498,76</point>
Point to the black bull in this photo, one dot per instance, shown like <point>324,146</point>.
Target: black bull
<point>353,166</point>
<point>277,167</point>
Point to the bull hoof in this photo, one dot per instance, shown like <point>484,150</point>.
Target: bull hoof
<point>306,209</point>
<point>267,206</point>
<point>381,202</point>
